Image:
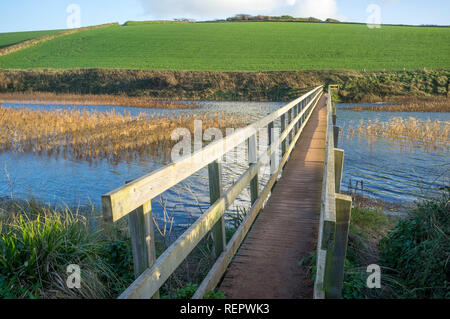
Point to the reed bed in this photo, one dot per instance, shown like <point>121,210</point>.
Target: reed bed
<point>427,105</point>
<point>92,99</point>
<point>429,133</point>
<point>93,135</point>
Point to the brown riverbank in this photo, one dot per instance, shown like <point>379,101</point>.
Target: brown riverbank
<point>91,99</point>
<point>227,86</point>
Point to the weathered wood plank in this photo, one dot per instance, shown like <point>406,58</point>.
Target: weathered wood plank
<point>283,127</point>
<point>252,159</point>
<point>334,269</point>
<point>215,193</point>
<point>336,130</point>
<point>338,168</point>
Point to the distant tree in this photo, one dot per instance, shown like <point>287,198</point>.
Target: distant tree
<point>242,17</point>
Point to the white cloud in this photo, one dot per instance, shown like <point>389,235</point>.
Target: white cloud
<point>321,9</point>
<point>211,9</point>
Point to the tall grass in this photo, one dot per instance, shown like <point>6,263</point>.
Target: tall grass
<point>417,251</point>
<point>428,105</point>
<point>95,135</point>
<point>37,243</point>
<point>428,133</point>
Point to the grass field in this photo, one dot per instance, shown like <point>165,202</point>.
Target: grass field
<point>7,39</point>
<point>242,47</point>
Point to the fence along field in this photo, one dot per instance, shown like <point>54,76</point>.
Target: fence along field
<point>242,47</point>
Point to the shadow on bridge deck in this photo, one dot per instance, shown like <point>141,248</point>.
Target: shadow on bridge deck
<point>267,264</point>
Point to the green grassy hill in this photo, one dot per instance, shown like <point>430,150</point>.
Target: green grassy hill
<point>7,39</point>
<point>241,47</point>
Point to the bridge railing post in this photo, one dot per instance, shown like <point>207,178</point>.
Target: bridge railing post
<point>215,193</point>
<point>335,258</point>
<point>291,134</point>
<point>252,159</point>
<point>338,168</point>
<point>273,159</point>
<point>336,130</point>
<point>283,128</point>
<point>142,236</point>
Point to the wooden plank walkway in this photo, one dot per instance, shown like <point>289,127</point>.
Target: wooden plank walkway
<point>267,263</point>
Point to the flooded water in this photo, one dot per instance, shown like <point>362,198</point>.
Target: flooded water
<point>65,182</point>
<point>395,171</point>
<point>389,171</point>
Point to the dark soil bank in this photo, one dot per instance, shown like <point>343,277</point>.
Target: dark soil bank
<point>204,85</point>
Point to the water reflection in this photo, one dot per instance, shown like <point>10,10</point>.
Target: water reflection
<point>389,171</point>
<point>61,182</point>
<point>392,170</point>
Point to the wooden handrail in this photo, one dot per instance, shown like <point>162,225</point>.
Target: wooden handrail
<point>334,215</point>
<point>130,198</point>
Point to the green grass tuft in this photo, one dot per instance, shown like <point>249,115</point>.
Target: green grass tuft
<point>418,250</point>
<point>37,244</point>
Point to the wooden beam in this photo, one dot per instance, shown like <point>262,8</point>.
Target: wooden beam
<point>334,268</point>
<point>252,160</point>
<point>271,138</point>
<point>338,168</point>
<point>142,235</point>
<point>215,193</point>
<point>283,127</point>
<point>336,135</point>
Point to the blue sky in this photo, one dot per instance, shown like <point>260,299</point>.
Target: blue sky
<point>24,15</point>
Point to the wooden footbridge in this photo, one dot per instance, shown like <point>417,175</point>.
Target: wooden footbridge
<point>297,212</point>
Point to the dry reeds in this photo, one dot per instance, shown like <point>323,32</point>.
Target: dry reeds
<point>428,105</point>
<point>427,133</point>
<point>85,135</point>
<point>91,99</point>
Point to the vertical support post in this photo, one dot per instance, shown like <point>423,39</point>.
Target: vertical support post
<point>334,268</point>
<point>283,128</point>
<point>273,161</point>
<point>290,121</point>
<point>336,130</point>
<point>300,121</point>
<point>333,115</point>
<point>142,239</point>
<point>294,116</point>
<point>215,192</point>
<point>338,168</point>
<point>252,159</point>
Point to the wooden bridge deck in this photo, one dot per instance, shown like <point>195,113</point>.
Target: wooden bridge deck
<point>267,263</point>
